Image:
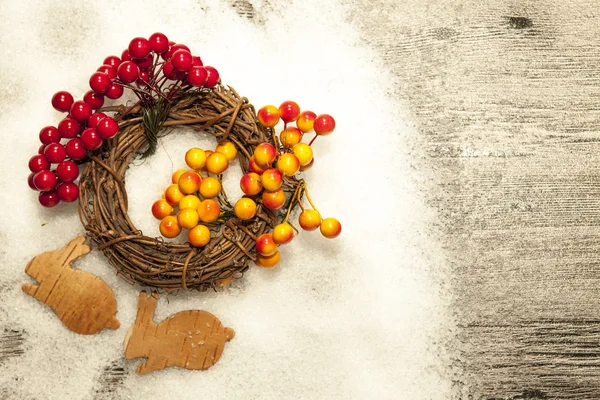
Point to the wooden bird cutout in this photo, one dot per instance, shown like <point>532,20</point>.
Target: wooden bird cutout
<point>82,301</point>
<point>191,339</point>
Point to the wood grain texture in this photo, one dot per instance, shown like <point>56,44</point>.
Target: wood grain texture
<point>506,99</point>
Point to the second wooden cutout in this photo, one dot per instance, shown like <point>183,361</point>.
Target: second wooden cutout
<point>191,339</point>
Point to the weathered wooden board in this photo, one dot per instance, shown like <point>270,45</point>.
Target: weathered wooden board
<point>506,99</point>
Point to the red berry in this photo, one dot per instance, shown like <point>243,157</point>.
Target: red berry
<point>100,82</point>
<point>93,120</point>
<point>179,46</point>
<point>107,128</point>
<point>144,78</point>
<point>41,149</point>
<point>113,61</point>
<point>213,77</point>
<point>95,100</point>
<point>48,199</point>
<point>108,70</point>
<point>159,43</point>
<point>67,171</point>
<point>80,110</point>
<point>114,92</point>
<point>170,72</point>
<point>68,128</point>
<point>144,63</point>
<point>182,60</point>
<point>128,72</point>
<point>139,47</point>
<point>67,192</point>
<point>290,111</point>
<point>197,76</point>
<point>55,153</point>
<point>44,180</point>
<point>197,61</point>
<point>90,139</point>
<point>38,163</point>
<point>125,56</point>
<point>324,125</point>
<point>49,134</point>
<point>167,53</point>
<point>75,149</point>
<point>30,181</point>
<point>62,101</point>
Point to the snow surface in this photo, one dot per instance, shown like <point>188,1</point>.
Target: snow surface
<point>362,316</point>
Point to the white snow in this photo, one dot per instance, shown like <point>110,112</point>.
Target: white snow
<point>358,317</point>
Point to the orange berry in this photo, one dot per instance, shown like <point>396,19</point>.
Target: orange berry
<point>189,201</point>
<point>250,183</point>
<point>209,211</point>
<point>176,175</point>
<point>309,220</point>
<point>245,208</point>
<point>268,262</point>
<point>306,121</point>
<point>208,153</point>
<point>228,149</point>
<point>271,179</point>
<point>307,166</point>
<point>268,116</point>
<point>254,167</point>
<point>290,136</point>
<point>188,218</point>
<point>324,125</point>
<point>161,208</point>
<point>216,163</point>
<point>288,164</point>
<point>173,195</point>
<point>303,152</point>
<point>199,236</point>
<point>195,158</point>
<point>289,110</point>
<point>169,227</point>
<point>210,187</point>
<point>274,200</point>
<point>283,233</point>
<point>265,154</point>
<point>265,245</point>
<point>331,228</point>
<point>189,182</point>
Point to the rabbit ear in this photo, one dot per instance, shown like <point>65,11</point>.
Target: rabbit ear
<point>146,307</point>
<point>73,250</point>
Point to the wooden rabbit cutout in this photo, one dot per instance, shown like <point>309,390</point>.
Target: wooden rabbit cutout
<point>82,301</point>
<point>191,339</point>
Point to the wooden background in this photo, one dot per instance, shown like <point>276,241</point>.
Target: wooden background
<point>506,97</point>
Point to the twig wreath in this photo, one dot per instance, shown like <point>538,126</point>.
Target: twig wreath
<point>174,88</point>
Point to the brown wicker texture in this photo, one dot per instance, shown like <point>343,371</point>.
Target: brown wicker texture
<point>151,261</point>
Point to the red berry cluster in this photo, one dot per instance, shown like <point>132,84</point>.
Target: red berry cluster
<point>145,67</point>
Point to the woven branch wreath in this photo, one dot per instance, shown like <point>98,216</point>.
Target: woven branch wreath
<point>173,88</point>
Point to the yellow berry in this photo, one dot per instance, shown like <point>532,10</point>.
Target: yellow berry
<point>173,195</point>
<point>254,167</point>
<point>290,136</point>
<point>210,187</point>
<point>268,262</point>
<point>309,220</point>
<point>304,153</point>
<point>216,163</point>
<point>265,245</point>
<point>176,175</point>
<point>288,164</point>
<point>271,179</point>
<point>331,228</point>
<point>187,218</point>
<point>250,183</point>
<point>307,166</point>
<point>245,208</point>
<point>228,149</point>
<point>306,121</point>
<point>161,208</point>
<point>195,158</point>
<point>189,182</point>
<point>268,116</point>
<point>169,227</point>
<point>283,233</point>
<point>274,200</point>
<point>265,154</point>
<point>189,201</point>
<point>209,211</point>
<point>199,236</point>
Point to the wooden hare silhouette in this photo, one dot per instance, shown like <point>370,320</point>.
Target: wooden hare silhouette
<point>191,339</point>
<point>82,301</point>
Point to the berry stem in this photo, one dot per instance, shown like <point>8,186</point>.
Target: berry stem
<point>313,139</point>
<point>308,197</point>
<point>295,197</point>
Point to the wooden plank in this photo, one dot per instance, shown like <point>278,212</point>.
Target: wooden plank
<point>505,96</point>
